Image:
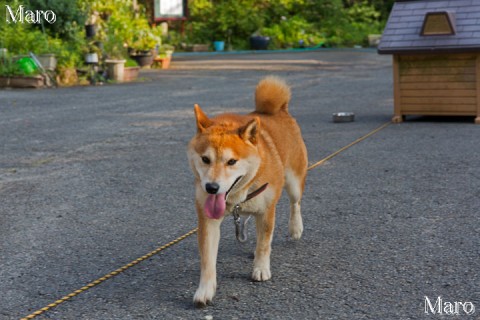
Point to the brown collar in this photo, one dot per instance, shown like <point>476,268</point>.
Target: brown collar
<point>250,195</point>
<point>256,192</point>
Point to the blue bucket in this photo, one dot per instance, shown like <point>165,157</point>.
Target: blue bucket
<point>219,45</point>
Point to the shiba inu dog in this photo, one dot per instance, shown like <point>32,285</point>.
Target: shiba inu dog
<point>244,161</point>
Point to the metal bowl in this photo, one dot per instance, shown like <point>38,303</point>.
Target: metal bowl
<point>343,117</point>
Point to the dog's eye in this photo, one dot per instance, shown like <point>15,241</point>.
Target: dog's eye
<point>231,162</point>
<point>206,160</point>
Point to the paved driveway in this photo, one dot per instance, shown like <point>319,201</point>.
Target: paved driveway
<point>92,178</point>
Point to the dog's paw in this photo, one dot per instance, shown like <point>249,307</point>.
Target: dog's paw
<point>295,232</point>
<point>204,295</point>
<point>295,228</point>
<point>261,274</point>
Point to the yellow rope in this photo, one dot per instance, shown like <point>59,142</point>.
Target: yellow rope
<point>108,276</point>
<point>186,235</point>
<point>319,163</point>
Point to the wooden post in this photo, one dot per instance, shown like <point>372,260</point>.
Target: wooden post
<point>397,106</point>
<point>477,84</point>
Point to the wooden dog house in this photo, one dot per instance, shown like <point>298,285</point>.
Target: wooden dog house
<point>436,57</point>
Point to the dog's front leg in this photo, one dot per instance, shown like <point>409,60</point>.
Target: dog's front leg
<point>265,225</point>
<point>208,239</point>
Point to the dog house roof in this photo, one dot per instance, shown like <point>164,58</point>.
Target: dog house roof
<point>402,33</point>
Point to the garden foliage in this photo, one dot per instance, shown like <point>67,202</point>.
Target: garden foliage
<point>118,26</point>
<point>290,23</point>
<point>65,37</point>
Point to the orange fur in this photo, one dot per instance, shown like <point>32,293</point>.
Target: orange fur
<point>272,95</point>
<point>268,148</point>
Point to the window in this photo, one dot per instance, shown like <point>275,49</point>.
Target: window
<point>438,23</point>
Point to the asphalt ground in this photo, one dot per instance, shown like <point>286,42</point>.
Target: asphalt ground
<point>92,178</point>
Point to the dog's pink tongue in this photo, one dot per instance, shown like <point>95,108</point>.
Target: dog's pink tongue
<point>215,206</point>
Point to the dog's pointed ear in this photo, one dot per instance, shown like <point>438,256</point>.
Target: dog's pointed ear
<point>202,120</point>
<point>249,132</point>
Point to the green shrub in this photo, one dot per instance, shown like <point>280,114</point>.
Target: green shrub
<point>363,20</point>
<point>290,23</point>
<point>23,38</point>
<point>119,27</point>
<point>293,32</point>
<point>131,63</point>
<point>316,22</point>
<point>9,68</point>
<point>20,39</point>
<point>68,17</point>
<point>230,21</point>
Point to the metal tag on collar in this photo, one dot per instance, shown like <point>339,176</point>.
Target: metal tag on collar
<point>240,227</point>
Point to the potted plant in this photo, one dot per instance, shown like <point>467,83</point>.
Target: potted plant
<point>219,45</point>
<point>91,53</point>
<point>164,56</point>
<point>115,69</point>
<point>200,41</point>
<point>131,70</point>
<point>66,69</point>
<point>142,48</point>
<point>48,61</point>
<point>90,25</point>
<point>142,43</point>
<point>90,31</point>
<point>220,33</point>
<point>115,53</point>
<point>19,73</point>
<point>259,42</point>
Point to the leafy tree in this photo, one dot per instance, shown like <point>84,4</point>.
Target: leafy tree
<point>231,21</point>
<point>69,17</point>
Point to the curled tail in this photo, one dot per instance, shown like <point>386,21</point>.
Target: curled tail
<point>272,95</point>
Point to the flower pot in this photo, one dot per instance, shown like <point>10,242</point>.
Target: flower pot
<point>199,48</point>
<point>91,58</point>
<point>166,62</point>
<point>90,30</point>
<point>163,60</point>
<point>259,42</point>
<point>48,61</point>
<point>115,69</point>
<point>143,59</point>
<point>130,73</point>
<point>22,82</point>
<point>219,45</point>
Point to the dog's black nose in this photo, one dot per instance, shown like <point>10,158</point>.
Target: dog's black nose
<point>212,187</point>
